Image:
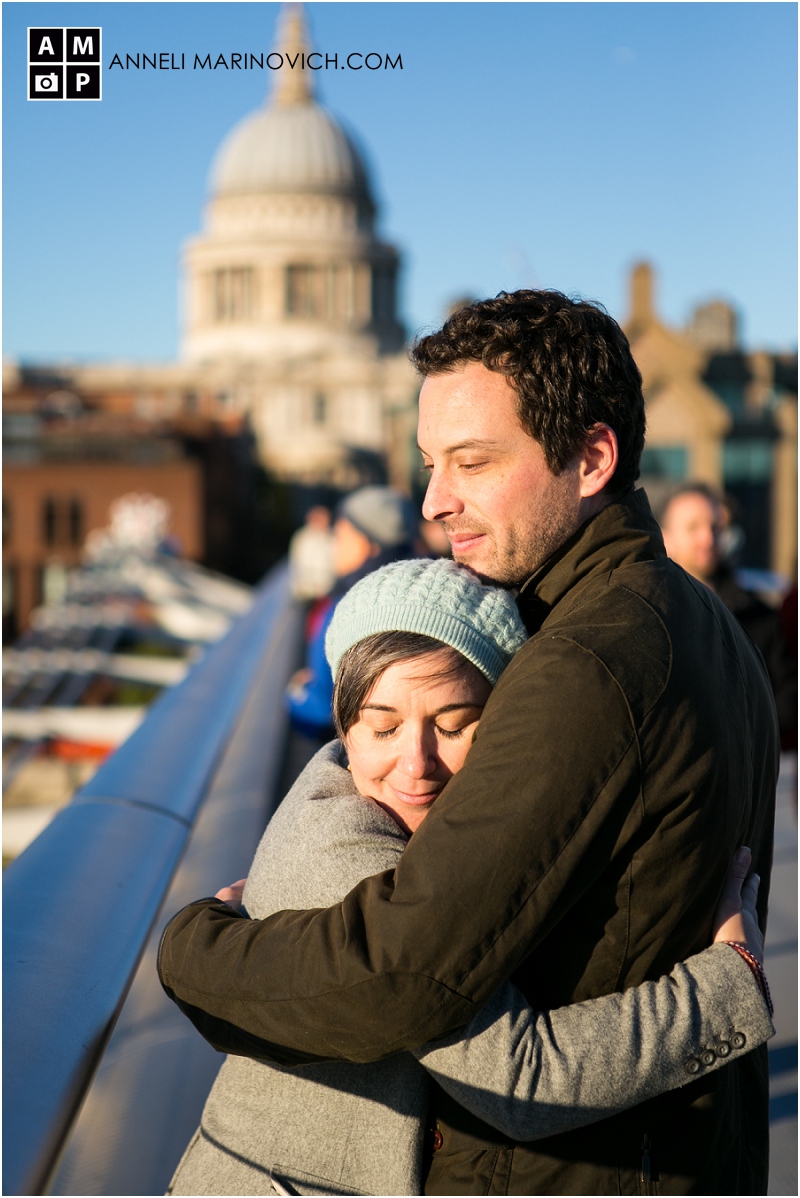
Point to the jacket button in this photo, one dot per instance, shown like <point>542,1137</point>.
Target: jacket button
<point>692,1065</point>
<point>438,1140</point>
<point>708,1057</point>
<point>723,1049</point>
<point>738,1040</point>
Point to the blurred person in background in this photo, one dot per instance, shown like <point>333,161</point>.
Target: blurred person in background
<point>433,540</point>
<point>699,535</point>
<point>311,556</point>
<point>372,527</point>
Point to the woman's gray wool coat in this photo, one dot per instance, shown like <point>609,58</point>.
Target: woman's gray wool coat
<point>338,1128</point>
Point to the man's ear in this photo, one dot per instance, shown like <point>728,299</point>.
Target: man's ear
<point>598,460</point>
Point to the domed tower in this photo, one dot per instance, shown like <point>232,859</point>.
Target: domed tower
<point>289,295</point>
<point>289,261</point>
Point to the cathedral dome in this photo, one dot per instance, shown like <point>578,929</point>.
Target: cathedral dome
<point>292,144</point>
<point>293,147</point>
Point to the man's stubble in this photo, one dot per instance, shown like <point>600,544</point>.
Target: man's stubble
<point>518,551</point>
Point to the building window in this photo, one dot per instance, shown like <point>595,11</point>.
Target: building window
<point>302,291</point>
<point>49,521</point>
<point>669,462</point>
<point>319,409</point>
<point>337,291</point>
<point>62,522</point>
<point>747,460</point>
<point>54,583</point>
<point>9,604</point>
<point>232,294</point>
<point>383,289</point>
<point>75,522</point>
<point>362,293</point>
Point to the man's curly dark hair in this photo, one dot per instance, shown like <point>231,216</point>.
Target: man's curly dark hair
<point>569,362</point>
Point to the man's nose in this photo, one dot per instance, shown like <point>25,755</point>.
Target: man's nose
<point>440,501</point>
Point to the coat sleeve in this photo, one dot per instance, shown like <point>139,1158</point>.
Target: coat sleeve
<point>535,1074</point>
<point>412,954</point>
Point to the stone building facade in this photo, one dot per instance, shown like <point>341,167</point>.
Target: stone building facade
<point>719,415</point>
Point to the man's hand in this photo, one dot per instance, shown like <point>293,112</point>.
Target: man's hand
<point>232,895</point>
<point>736,917</point>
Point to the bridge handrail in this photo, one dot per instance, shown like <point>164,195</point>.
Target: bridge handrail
<point>80,902</point>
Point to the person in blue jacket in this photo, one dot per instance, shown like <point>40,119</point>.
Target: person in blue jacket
<point>372,527</point>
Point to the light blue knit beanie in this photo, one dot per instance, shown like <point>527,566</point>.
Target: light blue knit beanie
<point>438,599</point>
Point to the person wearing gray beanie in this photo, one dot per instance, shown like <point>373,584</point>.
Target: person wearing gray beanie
<point>437,599</point>
<point>383,515</point>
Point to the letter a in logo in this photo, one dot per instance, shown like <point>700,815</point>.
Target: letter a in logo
<point>45,45</point>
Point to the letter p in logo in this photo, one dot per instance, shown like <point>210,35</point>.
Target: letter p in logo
<point>83,82</point>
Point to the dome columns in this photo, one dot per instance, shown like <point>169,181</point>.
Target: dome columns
<point>259,296</point>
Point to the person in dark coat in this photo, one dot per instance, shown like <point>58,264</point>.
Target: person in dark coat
<point>692,527</point>
<point>625,753</point>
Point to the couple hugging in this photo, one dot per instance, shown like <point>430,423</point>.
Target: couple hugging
<point>474,952</point>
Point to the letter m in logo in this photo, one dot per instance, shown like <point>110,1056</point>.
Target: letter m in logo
<point>83,45</point>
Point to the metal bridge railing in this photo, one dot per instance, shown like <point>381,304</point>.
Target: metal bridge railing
<point>81,902</point>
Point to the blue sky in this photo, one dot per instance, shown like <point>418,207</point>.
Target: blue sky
<point>522,144</point>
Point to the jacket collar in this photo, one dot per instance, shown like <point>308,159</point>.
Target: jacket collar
<point>622,533</point>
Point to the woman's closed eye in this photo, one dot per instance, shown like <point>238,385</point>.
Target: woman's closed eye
<point>450,733</point>
<point>383,733</point>
<point>447,733</point>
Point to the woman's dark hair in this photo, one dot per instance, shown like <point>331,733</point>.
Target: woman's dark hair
<point>569,362</point>
<point>363,663</point>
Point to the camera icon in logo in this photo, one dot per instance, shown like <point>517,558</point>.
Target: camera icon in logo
<point>46,83</point>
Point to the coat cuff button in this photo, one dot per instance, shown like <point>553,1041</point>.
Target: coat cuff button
<point>723,1049</point>
<point>738,1040</point>
<point>708,1057</point>
<point>692,1065</point>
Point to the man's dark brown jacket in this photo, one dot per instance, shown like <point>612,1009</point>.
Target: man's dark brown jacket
<point>627,751</point>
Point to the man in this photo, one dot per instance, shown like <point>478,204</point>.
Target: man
<point>626,752</point>
<point>692,524</point>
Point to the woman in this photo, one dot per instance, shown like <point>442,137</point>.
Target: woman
<point>415,649</point>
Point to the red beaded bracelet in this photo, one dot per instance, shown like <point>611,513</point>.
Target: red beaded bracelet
<point>758,972</point>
